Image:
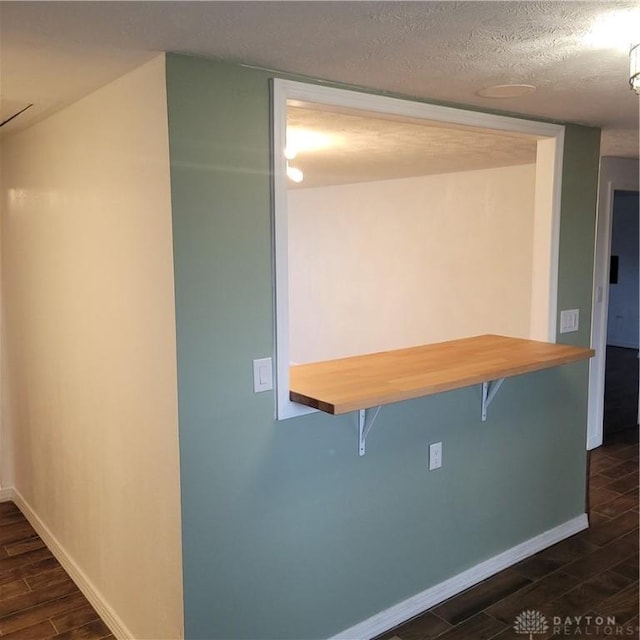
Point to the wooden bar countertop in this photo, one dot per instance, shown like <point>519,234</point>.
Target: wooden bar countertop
<point>361,382</point>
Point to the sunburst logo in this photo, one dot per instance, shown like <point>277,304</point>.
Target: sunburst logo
<point>530,622</point>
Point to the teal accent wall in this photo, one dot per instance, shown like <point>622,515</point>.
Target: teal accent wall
<point>577,228</point>
<point>287,533</point>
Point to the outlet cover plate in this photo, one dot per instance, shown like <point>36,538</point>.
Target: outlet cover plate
<point>569,320</point>
<point>435,456</point>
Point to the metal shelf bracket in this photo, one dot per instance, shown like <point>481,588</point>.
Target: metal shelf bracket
<point>489,390</point>
<point>366,418</point>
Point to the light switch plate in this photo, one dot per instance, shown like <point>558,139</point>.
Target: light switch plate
<point>262,375</point>
<point>569,320</point>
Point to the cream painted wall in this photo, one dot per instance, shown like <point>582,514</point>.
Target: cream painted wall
<point>430,259</point>
<point>89,382</point>
<point>544,276</point>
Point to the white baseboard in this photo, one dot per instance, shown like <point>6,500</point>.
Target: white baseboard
<point>91,593</point>
<point>594,441</point>
<point>411,607</point>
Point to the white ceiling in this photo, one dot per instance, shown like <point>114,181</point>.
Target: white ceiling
<point>362,147</point>
<point>52,53</point>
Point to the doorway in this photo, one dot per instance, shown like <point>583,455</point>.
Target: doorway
<point>616,174</point>
<point>623,324</point>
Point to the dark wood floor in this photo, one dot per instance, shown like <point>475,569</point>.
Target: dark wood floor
<point>594,573</point>
<point>38,600</point>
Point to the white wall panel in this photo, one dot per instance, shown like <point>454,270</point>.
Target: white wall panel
<point>89,374</point>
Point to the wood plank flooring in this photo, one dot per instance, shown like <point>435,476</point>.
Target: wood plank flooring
<point>594,573</point>
<point>38,600</point>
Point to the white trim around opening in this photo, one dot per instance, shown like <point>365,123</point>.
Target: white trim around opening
<point>546,243</point>
<point>616,174</point>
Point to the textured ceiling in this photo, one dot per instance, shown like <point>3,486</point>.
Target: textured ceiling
<point>365,148</point>
<point>54,52</point>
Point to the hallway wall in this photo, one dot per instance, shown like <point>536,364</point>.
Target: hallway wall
<point>89,413</point>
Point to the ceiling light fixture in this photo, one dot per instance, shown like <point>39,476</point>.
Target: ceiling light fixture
<point>294,174</point>
<point>613,30</point>
<point>300,139</point>
<point>634,68</point>
<point>506,91</point>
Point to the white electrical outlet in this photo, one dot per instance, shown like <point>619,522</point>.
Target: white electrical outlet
<point>569,320</point>
<point>435,456</point>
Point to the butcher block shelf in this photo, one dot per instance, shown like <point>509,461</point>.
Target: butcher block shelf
<point>361,382</point>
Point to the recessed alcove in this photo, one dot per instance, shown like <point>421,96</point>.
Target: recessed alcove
<point>413,224</point>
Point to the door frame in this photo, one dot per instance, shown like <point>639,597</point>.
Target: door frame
<point>616,174</point>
